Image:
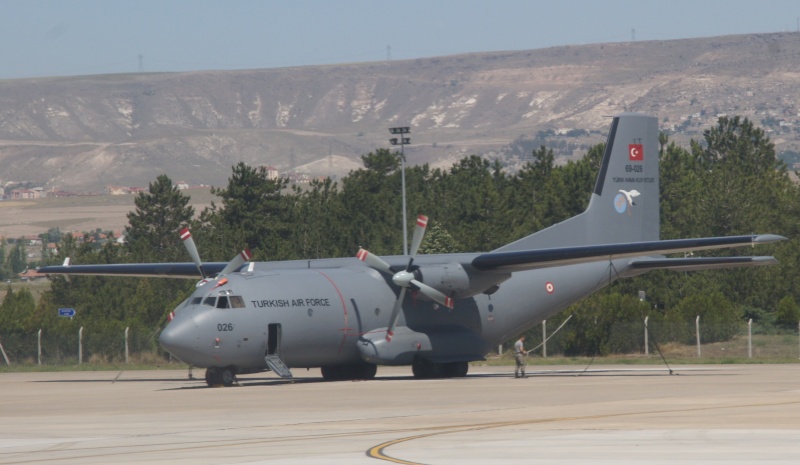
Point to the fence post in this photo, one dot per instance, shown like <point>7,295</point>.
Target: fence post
<point>544,338</point>
<point>126,344</point>
<point>750,338</point>
<point>80,346</point>
<point>3,351</point>
<point>499,352</point>
<point>646,341</point>
<point>39,347</point>
<point>697,333</point>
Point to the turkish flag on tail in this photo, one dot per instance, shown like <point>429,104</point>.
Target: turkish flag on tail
<point>636,152</point>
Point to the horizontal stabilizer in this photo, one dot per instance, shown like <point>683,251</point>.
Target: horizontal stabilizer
<point>545,258</point>
<point>700,263</point>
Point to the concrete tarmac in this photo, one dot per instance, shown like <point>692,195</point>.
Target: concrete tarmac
<point>733,414</point>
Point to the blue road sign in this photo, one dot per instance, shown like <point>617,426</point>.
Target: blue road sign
<point>70,312</point>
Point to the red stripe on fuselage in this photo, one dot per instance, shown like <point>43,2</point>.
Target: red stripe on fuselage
<point>344,307</point>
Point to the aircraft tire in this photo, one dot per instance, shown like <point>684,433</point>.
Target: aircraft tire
<point>228,376</point>
<point>367,371</point>
<point>225,376</point>
<point>424,369</point>
<point>213,377</point>
<point>456,369</point>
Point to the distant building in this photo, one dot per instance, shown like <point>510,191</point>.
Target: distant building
<point>23,194</point>
<point>124,190</point>
<point>298,178</point>
<point>182,185</point>
<point>272,172</point>
<point>117,190</point>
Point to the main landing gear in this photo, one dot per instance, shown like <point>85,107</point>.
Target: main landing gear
<point>216,376</point>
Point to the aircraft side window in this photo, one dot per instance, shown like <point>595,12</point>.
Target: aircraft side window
<point>196,300</point>
<point>222,302</point>
<point>236,301</point>
<point>211,301</point>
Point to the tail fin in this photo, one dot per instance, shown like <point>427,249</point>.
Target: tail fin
<point>624,206</point>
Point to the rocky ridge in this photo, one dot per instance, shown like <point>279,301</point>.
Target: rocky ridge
<point>88,132</point>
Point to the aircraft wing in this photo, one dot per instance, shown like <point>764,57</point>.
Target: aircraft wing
<point>545,258</point>
<point>142,270</point>
<point>700,263</point>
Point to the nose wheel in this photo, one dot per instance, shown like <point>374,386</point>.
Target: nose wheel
<point>224,376</point>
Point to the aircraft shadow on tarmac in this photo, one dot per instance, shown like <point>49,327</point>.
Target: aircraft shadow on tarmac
<point>531,375</point>
<point>634,373</point>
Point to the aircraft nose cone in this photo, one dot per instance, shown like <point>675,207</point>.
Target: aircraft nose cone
<point>176,338</point>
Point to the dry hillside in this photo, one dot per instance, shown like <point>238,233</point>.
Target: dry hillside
<point>83,133</point>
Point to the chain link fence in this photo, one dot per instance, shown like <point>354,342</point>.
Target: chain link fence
<point>684,340</point>
<point>80,346</point>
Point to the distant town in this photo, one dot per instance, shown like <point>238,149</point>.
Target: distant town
<point>14,190</point>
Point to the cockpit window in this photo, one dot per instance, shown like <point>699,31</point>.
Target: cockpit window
<point>196,300</point>
<point>221,299</point>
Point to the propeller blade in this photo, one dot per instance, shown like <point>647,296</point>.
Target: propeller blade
<point>188,242</point>
<point>403,279</point>
<point>434,294</point>
<point>398,306</point>
<point>237,261</point>
<point>419,233</point>
<point>373,261</point>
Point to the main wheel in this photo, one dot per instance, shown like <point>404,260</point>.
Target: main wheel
<point>227,376</point>
<point>213,377</point>
<point>366,371</point>
<point>424,369</point>
<point>332,373</point>
<point>456,369</point>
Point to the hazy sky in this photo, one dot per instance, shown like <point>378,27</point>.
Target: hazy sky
<point>77,37</point>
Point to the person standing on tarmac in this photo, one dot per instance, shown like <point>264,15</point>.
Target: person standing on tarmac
<point>519,356</point>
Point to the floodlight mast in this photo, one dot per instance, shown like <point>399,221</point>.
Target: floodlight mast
<point>402,141</point>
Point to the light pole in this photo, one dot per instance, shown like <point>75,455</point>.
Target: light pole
<point>402,141</point>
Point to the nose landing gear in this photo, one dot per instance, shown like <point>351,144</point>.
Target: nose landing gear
<point>220,376</point>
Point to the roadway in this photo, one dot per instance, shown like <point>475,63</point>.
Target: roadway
<point>733,414</point>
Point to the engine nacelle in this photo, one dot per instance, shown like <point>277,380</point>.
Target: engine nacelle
<point>401,350</point>
<point>406,344</point>
<point>450,278</point>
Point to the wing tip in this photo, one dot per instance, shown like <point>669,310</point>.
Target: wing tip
<point>768,238</point>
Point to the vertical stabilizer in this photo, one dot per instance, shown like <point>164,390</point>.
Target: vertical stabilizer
<point>624,206</point>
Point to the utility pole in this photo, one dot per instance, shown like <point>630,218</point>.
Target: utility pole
<point>402,141</point>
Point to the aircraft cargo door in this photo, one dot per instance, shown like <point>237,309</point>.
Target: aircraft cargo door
<point>274,339</point>
<point>273,357</point>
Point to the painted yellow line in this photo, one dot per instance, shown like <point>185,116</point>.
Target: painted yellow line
<point>377,452</point>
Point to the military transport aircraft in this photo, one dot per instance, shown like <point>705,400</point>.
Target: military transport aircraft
<point>348,315</point>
